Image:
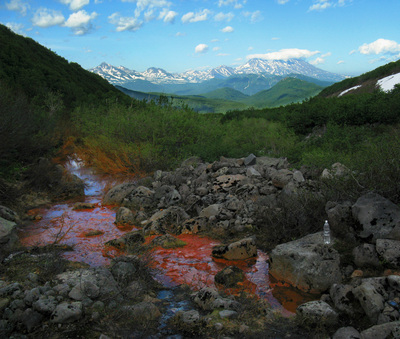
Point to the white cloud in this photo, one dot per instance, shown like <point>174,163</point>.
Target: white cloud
<point>250,48</point>
<point>80,22</point>
<point>75,5</point>
<point>167,15</point>
<point>224,17</point>
<point>180,34</point>
<point>44,17</point>
<point>18,5</point>
<point>380,46</point>
<point>340,62</point>
<point>320,5</point>
<point>216,49</point>
<point>282,2</point>
<point>285,54</point>
<point>201,48</point>
<point>235,3</point>
<point>124,23</point>
<point>254,16</point>
<point>191,17</point>
<point>317,61</point>
<point>16,28</point>
<point>223,54</point>
<point>275,38</point>
<point>227,29</point>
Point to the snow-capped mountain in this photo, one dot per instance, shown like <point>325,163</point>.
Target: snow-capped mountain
<point>122,75</point>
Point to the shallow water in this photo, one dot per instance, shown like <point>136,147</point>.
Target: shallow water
<point>88,230</point>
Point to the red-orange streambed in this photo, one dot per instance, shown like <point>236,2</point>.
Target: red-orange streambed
<point>88,230</point>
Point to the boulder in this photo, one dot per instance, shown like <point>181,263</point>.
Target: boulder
<point>83,206</point>
<point>67,312</point>
<point>230,276</point>
<point>190,317</point>
<point>389,250</point>
<point>366,255</point>
<point>378,217</point>
<point>317,313</point>
<point>388,330</point>
<point>139,198</point>
<point>9,214</point>
<point>347,333</point>
<point>127,240</point>
<point>340,218</point>
<point>124,216</point>
<point>192,161</point>
<point>208,299</point>
<point>306,263</point>
<point>8,234</point>
<point>169,220</point>
<point>243,249</point>
<point>117,194</point>
<point>370,300</point>
<point>343,299</point>
<point>250,160</point>
<point>281,178</point>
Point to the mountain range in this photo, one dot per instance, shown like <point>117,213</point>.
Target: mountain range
<point>250,78</point>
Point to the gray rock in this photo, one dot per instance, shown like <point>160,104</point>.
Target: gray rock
<point>340,218</point>
<point>230,276</point>
<point>83,290</point>
<point>389,314</point>
<point>192,161</point>
<point>252,172</point>
<point>388,330</point>
<point>317,313</point>
<point>31,296</point>
<point>298,177</point>
<point>190,317</point>
<point>250,160</point>
<point>347,333</point>
<point>10,289</point>
<point>31,319</point>
<point>389,250</point>
<point>9,214</point>
<point>306,264</point>
<point>45,305</point>
<point>117,194</point>
<point>242,249</point>
<point>210,211</point>
<point>281,178</point>
<point>394,282</point>
<point>128,239</point>
<point>365,255</point>
<point>124,216</point>
<point>100,277</point>
<point>344,300</point>
<point>370,300</point>
<point>67,312</point>
<point>277,163</point>
<point>209,299</point>
<point>169,220</point>
<point>8,234</point>
<point>378,217</point>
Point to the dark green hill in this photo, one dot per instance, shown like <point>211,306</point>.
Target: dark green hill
<point>286,91</point>
<point>35,70</point>
<point>226,93</point>
<point>366,81</point>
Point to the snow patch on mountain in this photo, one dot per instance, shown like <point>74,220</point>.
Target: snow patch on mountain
<point>387,84</point>
<point>348,90</point>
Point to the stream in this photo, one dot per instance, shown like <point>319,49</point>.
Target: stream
<point>87,230</point>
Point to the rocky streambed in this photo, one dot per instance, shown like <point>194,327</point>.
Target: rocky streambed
<point>150,264</point>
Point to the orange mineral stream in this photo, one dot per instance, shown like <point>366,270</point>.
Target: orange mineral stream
<point>87,230</point>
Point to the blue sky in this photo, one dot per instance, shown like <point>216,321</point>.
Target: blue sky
<point>342,36</point>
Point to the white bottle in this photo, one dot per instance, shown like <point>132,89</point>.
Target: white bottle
<point>327,233</point>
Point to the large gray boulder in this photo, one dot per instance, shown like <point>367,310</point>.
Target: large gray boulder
<point>8,234</point>
<point>67,312</point>
<point>117,194</point>
<point>389,250</point>
<point>306,263</point>
<point>370,299</point>
<point>379,218</point>
<point>243,249</point>
<point>318,313</point>
<point>388,330</point>
<point>169,220</point>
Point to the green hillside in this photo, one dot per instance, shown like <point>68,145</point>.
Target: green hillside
<point>367,80</point>
<point>226,93</point>
<point>38,92</point>
<point>285,92</point>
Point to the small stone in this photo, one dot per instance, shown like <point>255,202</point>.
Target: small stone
<point>357,274</point>
<point>228,314</point>
<point>218,326</point>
